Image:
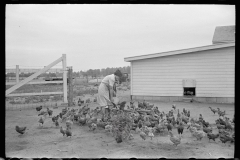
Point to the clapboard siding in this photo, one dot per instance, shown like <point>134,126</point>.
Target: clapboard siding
<point>193,75</point>
<point>213,70</point>
<point>187,63</point>
<point>203,81</point>
<point>165,85</point>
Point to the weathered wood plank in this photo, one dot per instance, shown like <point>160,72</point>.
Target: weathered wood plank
<point>33,94</point>
<point>39,82</point>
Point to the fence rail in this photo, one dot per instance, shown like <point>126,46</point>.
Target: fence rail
<point>33,94</point>
<point>52,70</point>
<point>27,80</point>
<point>39,82</point>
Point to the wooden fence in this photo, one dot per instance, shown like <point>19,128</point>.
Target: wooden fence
<point>27,80</point>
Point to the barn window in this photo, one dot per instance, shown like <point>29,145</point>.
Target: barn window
<point>189,91</point>
<point>189,87</point>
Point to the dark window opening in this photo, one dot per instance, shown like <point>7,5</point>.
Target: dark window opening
<point>189,91</point>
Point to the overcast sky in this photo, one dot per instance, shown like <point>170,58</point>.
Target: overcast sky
<point>102,35</point>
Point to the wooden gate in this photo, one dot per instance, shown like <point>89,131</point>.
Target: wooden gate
<point>28,79</point>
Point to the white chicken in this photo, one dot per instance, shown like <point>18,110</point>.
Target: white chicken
<point>143,134</point>
<point>176,140</point>
<point>198,134</point>
<point>150,133</point>
<point>108,128</point>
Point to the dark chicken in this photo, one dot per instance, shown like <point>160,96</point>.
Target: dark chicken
<point>56,123</point>
<point>50,112</point>
<point>118,138</point>
<point>184,111</point>
<point>180,128</point>
<point>212,136</point>
<point>68,132</point>
<point>20,130</point>
<point>169,126</point>
<point>225,138</point>
<point>144,104</point>
<point>223,132</point>
<point>42,113</point>
<point>213,110</point>
<point>207,130</point>
<point>140,105</point>
<point>39,108</point>
<point>174,106</point>
<point>55,118</point>
<point>188,113</point>
<point>140,124</point>
<point>205,124</point>
<point>122,105</point>
<point>219,126</point>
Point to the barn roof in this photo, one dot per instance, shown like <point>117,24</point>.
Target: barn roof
<point>189,50</point>
<point>224,34</point>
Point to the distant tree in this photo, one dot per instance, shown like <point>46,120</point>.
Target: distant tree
<point>52,74</point>
<point>10,75</point>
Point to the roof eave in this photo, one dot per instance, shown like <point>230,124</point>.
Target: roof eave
<point>189,50</point>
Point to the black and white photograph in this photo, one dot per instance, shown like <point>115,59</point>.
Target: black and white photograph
<point>120,81</point>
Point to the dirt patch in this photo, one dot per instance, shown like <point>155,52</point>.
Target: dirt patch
<point>49,142</point>
<point>16,146</point>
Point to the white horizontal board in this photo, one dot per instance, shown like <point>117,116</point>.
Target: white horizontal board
<point>175,81</point>
<point>214,94</point>
<point>40,82</point>
<point>183,63</point>
<point>181,88</point>
<point>181,92</point>
<point>192,76</point>
<point>33,94</point>
<point>150,68</point>
<point>162,85</point>
<point>184,66</point>
<point>177,71</point>
<point>170,95</point>
<point>188,58</point>
<point>179,81</point>
<point>185,60</point>
<point>216,86</point>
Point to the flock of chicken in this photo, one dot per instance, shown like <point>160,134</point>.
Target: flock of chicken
<point>146,120</point>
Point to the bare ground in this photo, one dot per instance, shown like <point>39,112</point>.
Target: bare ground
<point>48,142</point>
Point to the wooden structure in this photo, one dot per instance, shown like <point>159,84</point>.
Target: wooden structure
<point>70,87</point>
<point>45,69</point>
<point>206,73</point>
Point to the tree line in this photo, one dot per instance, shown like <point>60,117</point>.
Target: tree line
<point>103,72</point>
<point>89,73</point>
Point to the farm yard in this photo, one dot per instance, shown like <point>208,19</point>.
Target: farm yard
<point>120,81</point>
<point>47,141</point>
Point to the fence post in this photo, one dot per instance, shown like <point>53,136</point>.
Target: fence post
<point>64,63</point>
<point>70,87</point>
<point>17,73</point>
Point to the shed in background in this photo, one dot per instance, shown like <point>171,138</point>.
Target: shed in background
<point>205,74</point>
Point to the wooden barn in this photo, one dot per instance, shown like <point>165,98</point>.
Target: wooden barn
<point>205,74</point>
